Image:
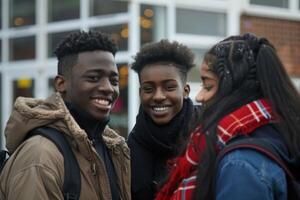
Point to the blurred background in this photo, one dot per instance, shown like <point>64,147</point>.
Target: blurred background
<point>30,30</point>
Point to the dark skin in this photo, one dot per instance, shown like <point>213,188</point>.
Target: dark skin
<point>210,84</point>
<point>93,84</point>
<point>162,91</point>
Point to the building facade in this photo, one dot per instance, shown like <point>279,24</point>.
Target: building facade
<point>30,30</point>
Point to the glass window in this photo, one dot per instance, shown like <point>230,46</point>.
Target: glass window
<point>22,48</point>
<point>63,10</point>
<point>153,23</point>
<point>0,19</point>
<point>193,75</point>
<point>1,109</point>
<point>0,50</point>
<point>119,114</point>
<point>203,22</point>
<point>119,34</point>
<point>104,7</point>
<point>23,87</point>
<point>51,88</point>
<point>22,12</point>
<point>54,39</point>
<point>296,82</point>
<point>275,3</point>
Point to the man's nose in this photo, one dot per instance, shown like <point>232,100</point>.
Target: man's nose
<point>105,85</point>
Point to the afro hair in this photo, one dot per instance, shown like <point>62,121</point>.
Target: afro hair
<point>165,52</point>
<point>81,41</point>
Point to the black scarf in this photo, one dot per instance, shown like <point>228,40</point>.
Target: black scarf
<point>94,128</point>
<point>163,139</point>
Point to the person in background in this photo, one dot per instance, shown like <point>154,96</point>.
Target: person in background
<point>166,115</point>
<point>87,86</point>
<point>246,94</point>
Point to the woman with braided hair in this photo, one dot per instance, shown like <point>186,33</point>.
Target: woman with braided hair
<point>246,94</point>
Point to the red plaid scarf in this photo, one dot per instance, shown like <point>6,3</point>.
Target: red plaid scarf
<point>243,121</point>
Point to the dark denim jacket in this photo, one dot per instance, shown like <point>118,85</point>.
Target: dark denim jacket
<point>249,175</point>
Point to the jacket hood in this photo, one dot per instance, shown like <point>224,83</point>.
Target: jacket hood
<point>29,113</point>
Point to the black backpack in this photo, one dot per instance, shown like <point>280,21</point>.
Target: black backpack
<point>267,149</point>
<point>72,180</point>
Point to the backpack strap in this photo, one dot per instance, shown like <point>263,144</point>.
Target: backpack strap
<point>72,179</point>
<point>258,145</point>
<point>3,158</point>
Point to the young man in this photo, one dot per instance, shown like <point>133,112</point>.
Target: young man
<point>166,115</point>
<point>87,88</point>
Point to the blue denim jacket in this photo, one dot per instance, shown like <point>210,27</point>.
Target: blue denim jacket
<point>249,175</point>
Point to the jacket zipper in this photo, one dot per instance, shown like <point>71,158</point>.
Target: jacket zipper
<point>94,170</point>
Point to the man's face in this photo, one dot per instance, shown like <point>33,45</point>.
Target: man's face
<point>93,85</point>
<point>162,92</point>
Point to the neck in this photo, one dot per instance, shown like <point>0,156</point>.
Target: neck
<point>93,127</point>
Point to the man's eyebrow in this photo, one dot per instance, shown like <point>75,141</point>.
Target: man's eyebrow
<point>164,81</point>
<point>113,73</point>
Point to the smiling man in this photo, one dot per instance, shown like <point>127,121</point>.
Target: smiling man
<point>87,87</point>
<point>166,115</point>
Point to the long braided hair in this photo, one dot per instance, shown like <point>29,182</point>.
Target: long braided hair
<point>248,68</point>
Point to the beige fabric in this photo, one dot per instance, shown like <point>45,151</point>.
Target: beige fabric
<point>36,170</point>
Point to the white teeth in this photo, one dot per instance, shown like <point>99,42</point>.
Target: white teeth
<point>159,109</point>
<point>102,102</point>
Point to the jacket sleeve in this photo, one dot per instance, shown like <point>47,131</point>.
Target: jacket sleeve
<point>248,175</point>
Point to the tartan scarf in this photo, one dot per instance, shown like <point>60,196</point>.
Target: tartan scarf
<point>243,121</point>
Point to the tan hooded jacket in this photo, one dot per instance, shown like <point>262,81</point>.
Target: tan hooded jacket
<point>36,170</point>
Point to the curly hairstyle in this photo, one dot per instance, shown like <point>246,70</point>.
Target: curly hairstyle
<point>248,68</point>
<point>165,52</point>
<point>67,51</point>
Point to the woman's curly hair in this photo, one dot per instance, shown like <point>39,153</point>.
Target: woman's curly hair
<point>167,52</point>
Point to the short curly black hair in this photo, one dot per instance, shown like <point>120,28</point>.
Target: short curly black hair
<point>67,51</point>
<point>165,51</point>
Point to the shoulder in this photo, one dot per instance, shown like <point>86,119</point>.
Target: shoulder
<point>241,168</point>
<point>251,160</point>
<point>34,171</point>
<point>114,141</point>
<point>37,156</point>
<point>39,149</point>
<point>266,137</point>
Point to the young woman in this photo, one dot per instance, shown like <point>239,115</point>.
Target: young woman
<point>166,115</point>
<point>246,94</point>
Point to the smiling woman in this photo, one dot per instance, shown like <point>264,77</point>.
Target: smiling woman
<point>162,92</point>
<point>166,113</point>
<point>210,84</point>
<point>251,102</point>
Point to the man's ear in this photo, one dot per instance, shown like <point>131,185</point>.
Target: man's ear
<point>60,84</point>
<point>187,90</point>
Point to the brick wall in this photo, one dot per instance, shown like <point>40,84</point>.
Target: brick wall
<point>283,34</point>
